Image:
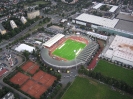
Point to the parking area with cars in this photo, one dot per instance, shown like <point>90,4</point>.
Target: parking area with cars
<point>9,60</point>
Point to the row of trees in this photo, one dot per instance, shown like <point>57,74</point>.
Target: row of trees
<point>44,67</point>
<point>63,91</point>
<point>108,80</point>
<point>5,90</point>
<point>13,32</point>
<point>52,91</point>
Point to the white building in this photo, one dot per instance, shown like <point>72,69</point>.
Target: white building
<point>113,8</point>
<point>13,24</point>
<point>23,20</point>
<point>121,50</point>
<point>34,14</point>
<point>85,19</point>
<point>24,47</point>
<point>9,95</point>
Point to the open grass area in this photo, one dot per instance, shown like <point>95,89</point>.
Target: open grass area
<point>115,71</point>
<point>83,88</point>
<point>69,50</point>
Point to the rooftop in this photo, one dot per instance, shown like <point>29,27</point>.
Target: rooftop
<point>125,17</point>
<point>1,27</point>
<point>125,25</point>
<point>53,40</point>
<point>98,5</point>
<point>23,47</point>
<point>8,96</point>
<point>121,47</point>
<point>97,20</point>
<point>113,9</point>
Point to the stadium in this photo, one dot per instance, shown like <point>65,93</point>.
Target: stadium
<point>63,52</point>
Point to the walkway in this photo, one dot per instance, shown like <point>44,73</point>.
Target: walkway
<point>94,61</point>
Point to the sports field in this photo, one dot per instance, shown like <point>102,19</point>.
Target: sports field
<point>83,88</point>
<point>115,71</point>
<point>69,50</point>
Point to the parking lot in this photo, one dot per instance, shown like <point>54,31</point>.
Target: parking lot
<point>9,60</point>
<point>38,39</point>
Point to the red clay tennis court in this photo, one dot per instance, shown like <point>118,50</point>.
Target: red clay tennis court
<point>50,82</point>
<point>30,67</point>
<point>19,78</point>
<point>27,65</point>
<point>36,85</point>
<point>43,78</point>
<point>33,88</point>
<point>33,69</point>
<point>38,75</point>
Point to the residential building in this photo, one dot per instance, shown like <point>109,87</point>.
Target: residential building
<point>9,95</point>
<point>34,14</point>
<point>2,29</point>
<point>13,24</point>
<point>23,20</point>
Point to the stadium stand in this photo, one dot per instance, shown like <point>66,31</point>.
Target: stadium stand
<point>84,56</point>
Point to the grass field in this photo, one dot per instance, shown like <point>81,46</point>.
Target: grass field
<point>69,50</point>
<point>114,71</point>
<point>84,88</point>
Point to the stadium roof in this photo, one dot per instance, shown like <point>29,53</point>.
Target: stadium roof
<point>53,40</point>
<point>121,47</point>
<point>113,9</point>
<point>98,5</point>
<point>97,20</point>
<point>23,47</point>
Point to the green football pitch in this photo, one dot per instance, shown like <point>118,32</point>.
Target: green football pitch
<point>84,88</point>
<point>111,70</point>
<point>69,50</point>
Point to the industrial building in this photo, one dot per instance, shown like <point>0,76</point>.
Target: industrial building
<point>23,20</point>
<point>13,24</point>
<point>2,29</point>
<point>34,14</point>
<point>92,20</point>
<point>120,50</point>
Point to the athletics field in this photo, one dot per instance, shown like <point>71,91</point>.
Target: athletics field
<point>69,49</point>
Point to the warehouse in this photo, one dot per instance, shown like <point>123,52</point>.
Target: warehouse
<point>120,50</point>
<point>87,19</point>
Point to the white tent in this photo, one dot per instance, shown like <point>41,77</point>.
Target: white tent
<point>23,47</point>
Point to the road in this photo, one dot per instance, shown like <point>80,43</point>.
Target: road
<point>3,44</point>
<point>54,19</point>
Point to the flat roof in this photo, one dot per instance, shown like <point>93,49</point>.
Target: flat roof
<point>97,20</point>
<point>98,5</point>
<point>113,9</point>
<point>121,47</point>
<point>125,25</point>
<point>125,17</point>
<point>23,47</point>
<point>53,40</point>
